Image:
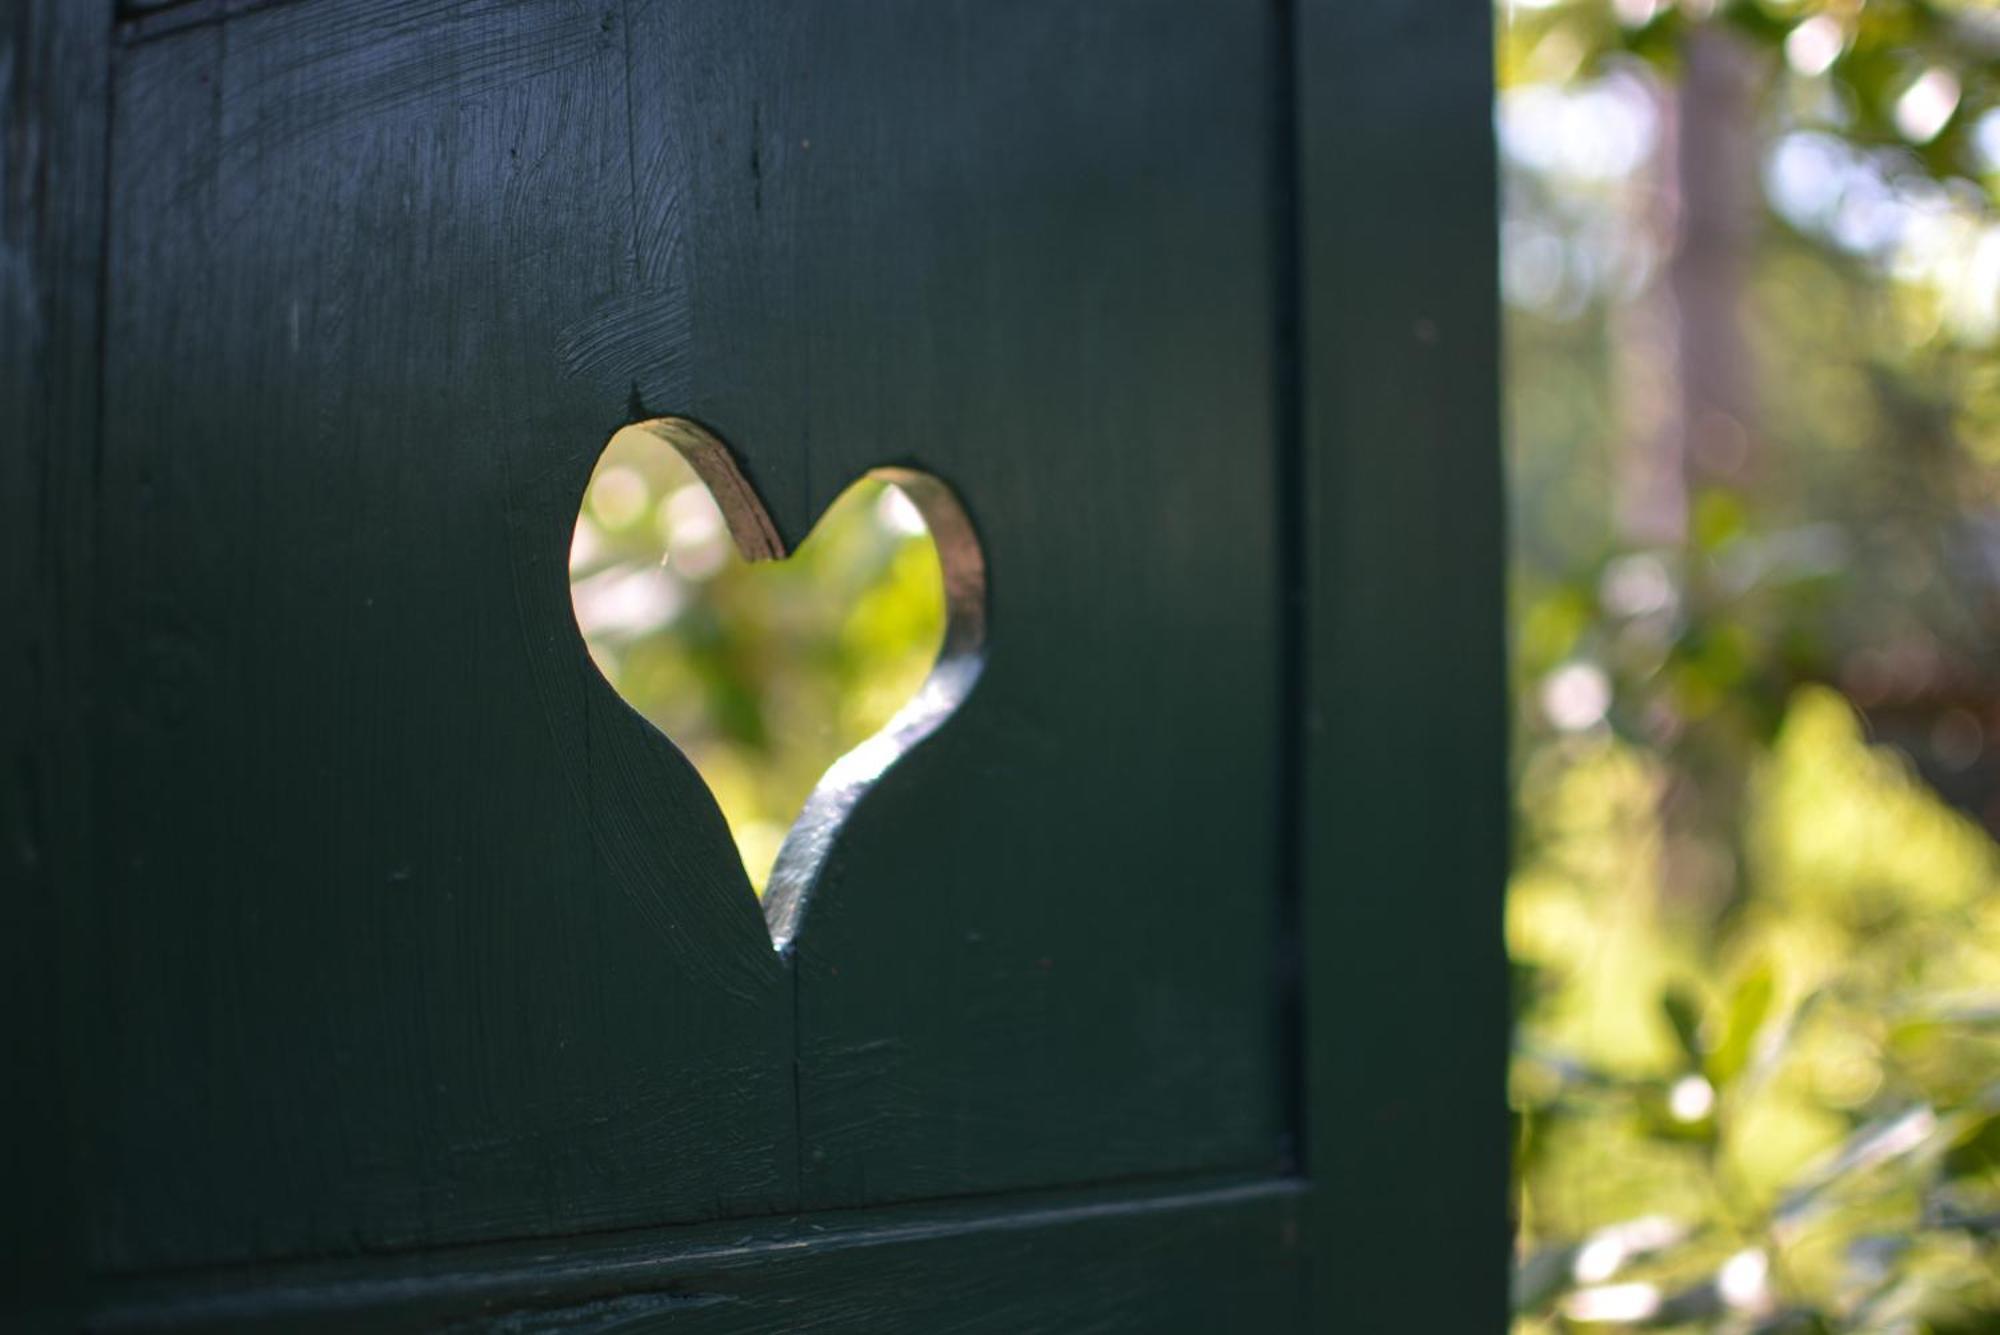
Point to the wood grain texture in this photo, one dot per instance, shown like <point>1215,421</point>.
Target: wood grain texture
<point>1405,793</point>
<point>381,926</point>
<point>1024,249</point>
<point>53,66</point>
<point>1199,1258</point>
<point>409,931</point>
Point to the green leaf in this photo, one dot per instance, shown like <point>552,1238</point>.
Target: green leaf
<point>1975,1149</point>
<point>1749,1006</point>
<point>1683,1012</point>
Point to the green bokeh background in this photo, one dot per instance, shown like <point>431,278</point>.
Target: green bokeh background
<point>1755,916</point>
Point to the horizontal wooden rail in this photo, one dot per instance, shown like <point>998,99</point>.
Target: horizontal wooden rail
<point>1173,1256</point>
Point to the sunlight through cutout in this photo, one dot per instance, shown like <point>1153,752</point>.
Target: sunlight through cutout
<point>791,683</point>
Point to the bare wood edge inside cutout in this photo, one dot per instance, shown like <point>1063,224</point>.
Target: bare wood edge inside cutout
<point>744,514</point>
<point>961,655</point>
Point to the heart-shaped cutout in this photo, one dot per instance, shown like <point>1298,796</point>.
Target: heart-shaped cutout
<point>792,687</point>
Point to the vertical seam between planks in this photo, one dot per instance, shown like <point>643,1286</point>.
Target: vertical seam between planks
<point>1294,585</point>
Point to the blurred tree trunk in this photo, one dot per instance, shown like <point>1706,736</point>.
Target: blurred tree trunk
<point>1720,210</point>
<point>1689,390</point>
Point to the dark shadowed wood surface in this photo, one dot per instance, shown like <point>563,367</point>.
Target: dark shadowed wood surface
<point>54,76</point>
<point>412,933</point>
<point>1032,260</point>
<point>407,930</point>
<point>372,965</point>
<point>1405,786</point>
<point>1199,1258</point>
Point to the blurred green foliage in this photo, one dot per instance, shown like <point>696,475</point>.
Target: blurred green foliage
<point>1777,1108</point>
<point>762,674</point>
<point>1790,1122</point>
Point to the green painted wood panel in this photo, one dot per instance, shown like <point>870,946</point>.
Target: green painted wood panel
<point>1027,249</point>
<point>54,76</point>
<point>1404,795</point>
<point>352,917</point>
<point>405,931</point>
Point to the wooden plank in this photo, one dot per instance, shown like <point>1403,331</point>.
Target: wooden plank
<point>1204,1258</point>
<point>407,930</point>
<point>54,64</point>
<point>408,933</point>
<point>1025,248</point>
<point>1405,792</point>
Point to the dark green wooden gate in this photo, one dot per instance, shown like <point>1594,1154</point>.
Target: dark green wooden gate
<point>369,966</point>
